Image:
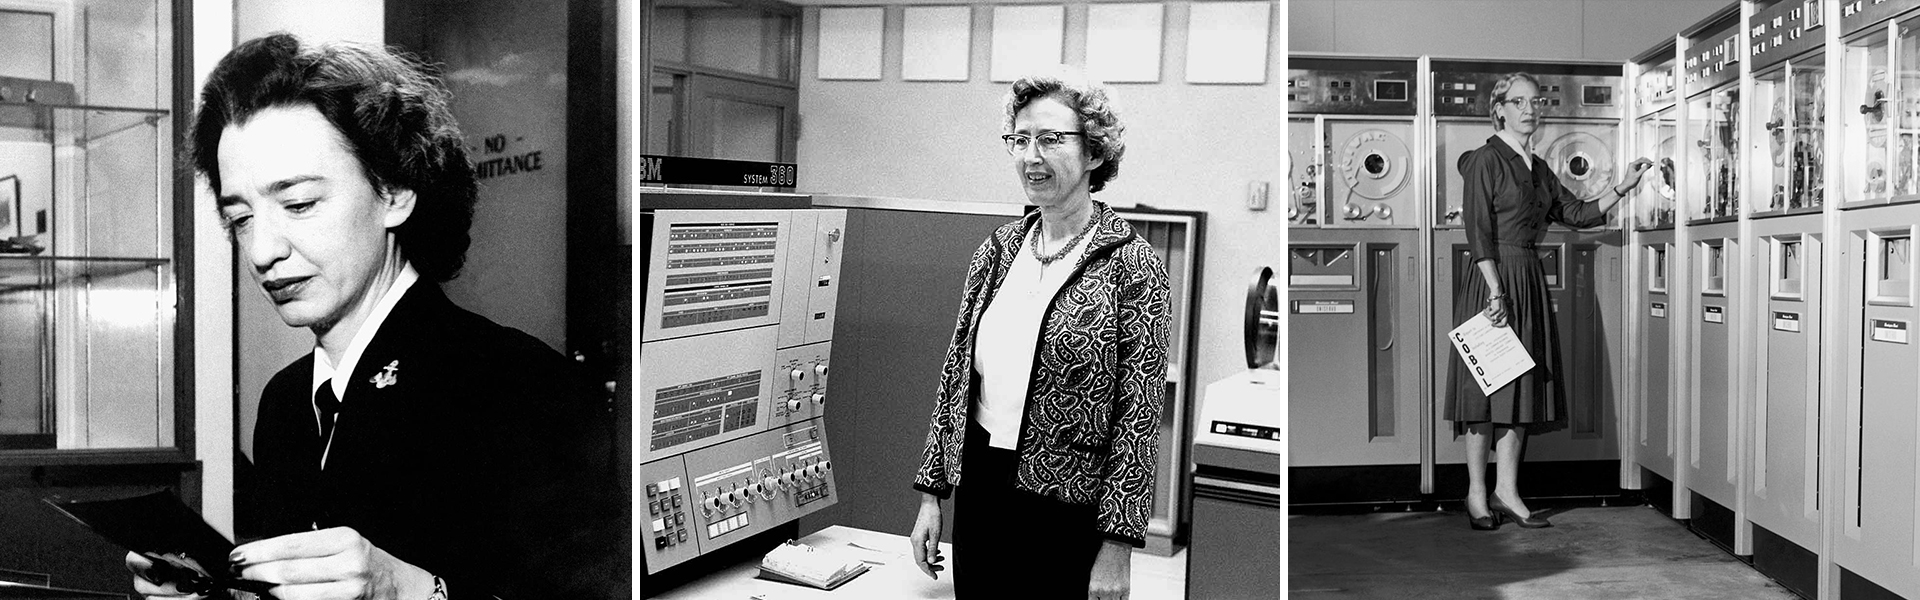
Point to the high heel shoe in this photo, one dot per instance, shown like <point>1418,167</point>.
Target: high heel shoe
<point>1486,523</point>
<point>1529,522</point>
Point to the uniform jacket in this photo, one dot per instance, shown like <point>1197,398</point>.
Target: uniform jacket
<point>1091,427</point>
<point>482,459</point>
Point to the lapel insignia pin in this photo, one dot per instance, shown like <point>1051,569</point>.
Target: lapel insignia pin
<point>388,375</point>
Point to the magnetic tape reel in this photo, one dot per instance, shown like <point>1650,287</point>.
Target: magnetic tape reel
<point>1664,185</point>
<point>1777,133</point>
<point>1374,164</point>
<point>1584,162</point>
<point>1874,108</point>
<point>1303,171</point>
<point>1261,321</point>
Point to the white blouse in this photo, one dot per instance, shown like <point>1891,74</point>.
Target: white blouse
<point>1010,332</point>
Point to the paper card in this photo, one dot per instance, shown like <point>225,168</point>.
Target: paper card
<point>936,42</point>
<point>1493,354</point>
<point>1123,42</point>
<point>1227,42</point>
<point>850,43</point>
<point>157,525</point>
<point>1027,38</point>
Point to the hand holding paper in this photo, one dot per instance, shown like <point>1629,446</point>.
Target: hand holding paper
<point>1493,354</point>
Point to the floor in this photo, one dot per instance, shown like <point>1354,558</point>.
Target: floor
<point>1610,553</point>
<point>1158,577</point>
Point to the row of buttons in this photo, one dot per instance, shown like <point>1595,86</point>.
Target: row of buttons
<point>721,527</point>
<point>665,497</point>
<point>655,507</point>
<point>1307,83</point>
<point>1311,98</point>
<point>673,520</point>
<point>669,539</point>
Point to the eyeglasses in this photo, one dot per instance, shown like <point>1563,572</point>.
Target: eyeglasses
<point>1538,103</point>
<point>1050,141</point>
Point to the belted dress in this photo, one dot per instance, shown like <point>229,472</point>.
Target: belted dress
<point>1507,203</point>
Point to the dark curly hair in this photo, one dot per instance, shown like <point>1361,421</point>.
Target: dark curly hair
<point>1092,100</point>
<point>391,111</point>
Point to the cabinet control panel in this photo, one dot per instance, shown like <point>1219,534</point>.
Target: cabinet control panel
<point>1358,92</point>
<point>735,358</point>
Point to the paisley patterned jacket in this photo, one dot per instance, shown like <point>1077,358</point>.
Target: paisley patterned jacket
<point>1091,427</point>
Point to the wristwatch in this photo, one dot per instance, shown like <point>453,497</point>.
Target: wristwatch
<point>439,589</point>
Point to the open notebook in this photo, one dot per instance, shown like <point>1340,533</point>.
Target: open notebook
<point>793,562</point>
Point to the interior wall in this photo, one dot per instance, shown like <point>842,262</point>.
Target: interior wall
<point>1609,30</point>
<point>1189,146</point>
<point>213,300</point>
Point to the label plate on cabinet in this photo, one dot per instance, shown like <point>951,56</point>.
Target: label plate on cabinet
<point>1890,331</point>
<point>1715,314</point>
<point>1659,310</point>
<point>1323,307</point>
<point>1786,321</point>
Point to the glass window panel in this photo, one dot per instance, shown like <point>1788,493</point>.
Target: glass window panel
<point>1773,109</point>
<point>669,33</point>
<point>26,39</point>
<point>124,66</point>
<point>87,287</point>
<point>1865,127</point>
<point>1905,173</point>
<point>1805,169</point>
<point>746,131</point>
<point>1654,205</point>
<point>664,127</point>
<point>746,41</point>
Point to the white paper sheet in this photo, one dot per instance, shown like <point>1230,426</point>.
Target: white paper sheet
<point>1493,354</point>
<point>850,42</point>
<point>936,42</point>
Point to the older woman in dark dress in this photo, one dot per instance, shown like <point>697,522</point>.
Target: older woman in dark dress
<point>1510,196</point>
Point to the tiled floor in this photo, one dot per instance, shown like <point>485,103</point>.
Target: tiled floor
<point>1599,553</point>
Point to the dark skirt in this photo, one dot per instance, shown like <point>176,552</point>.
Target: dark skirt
<point>1009,543</point>
<point>1536,398</point>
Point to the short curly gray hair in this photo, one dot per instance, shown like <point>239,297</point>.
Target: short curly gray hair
<point>1092,100</point>
<point>1499,94</point>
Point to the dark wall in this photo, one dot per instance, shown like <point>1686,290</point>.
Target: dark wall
<point>901,277</point>
<point>506,62</point>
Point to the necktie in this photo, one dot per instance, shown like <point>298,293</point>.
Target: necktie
<point>329,406</point>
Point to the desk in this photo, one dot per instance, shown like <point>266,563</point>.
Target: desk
<point>898,577</point>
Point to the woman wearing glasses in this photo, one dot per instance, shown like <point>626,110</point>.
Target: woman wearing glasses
<point>1051,392</point>
<point>1510,195</point>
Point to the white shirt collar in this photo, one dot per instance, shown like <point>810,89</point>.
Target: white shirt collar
<point>324,368</point>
